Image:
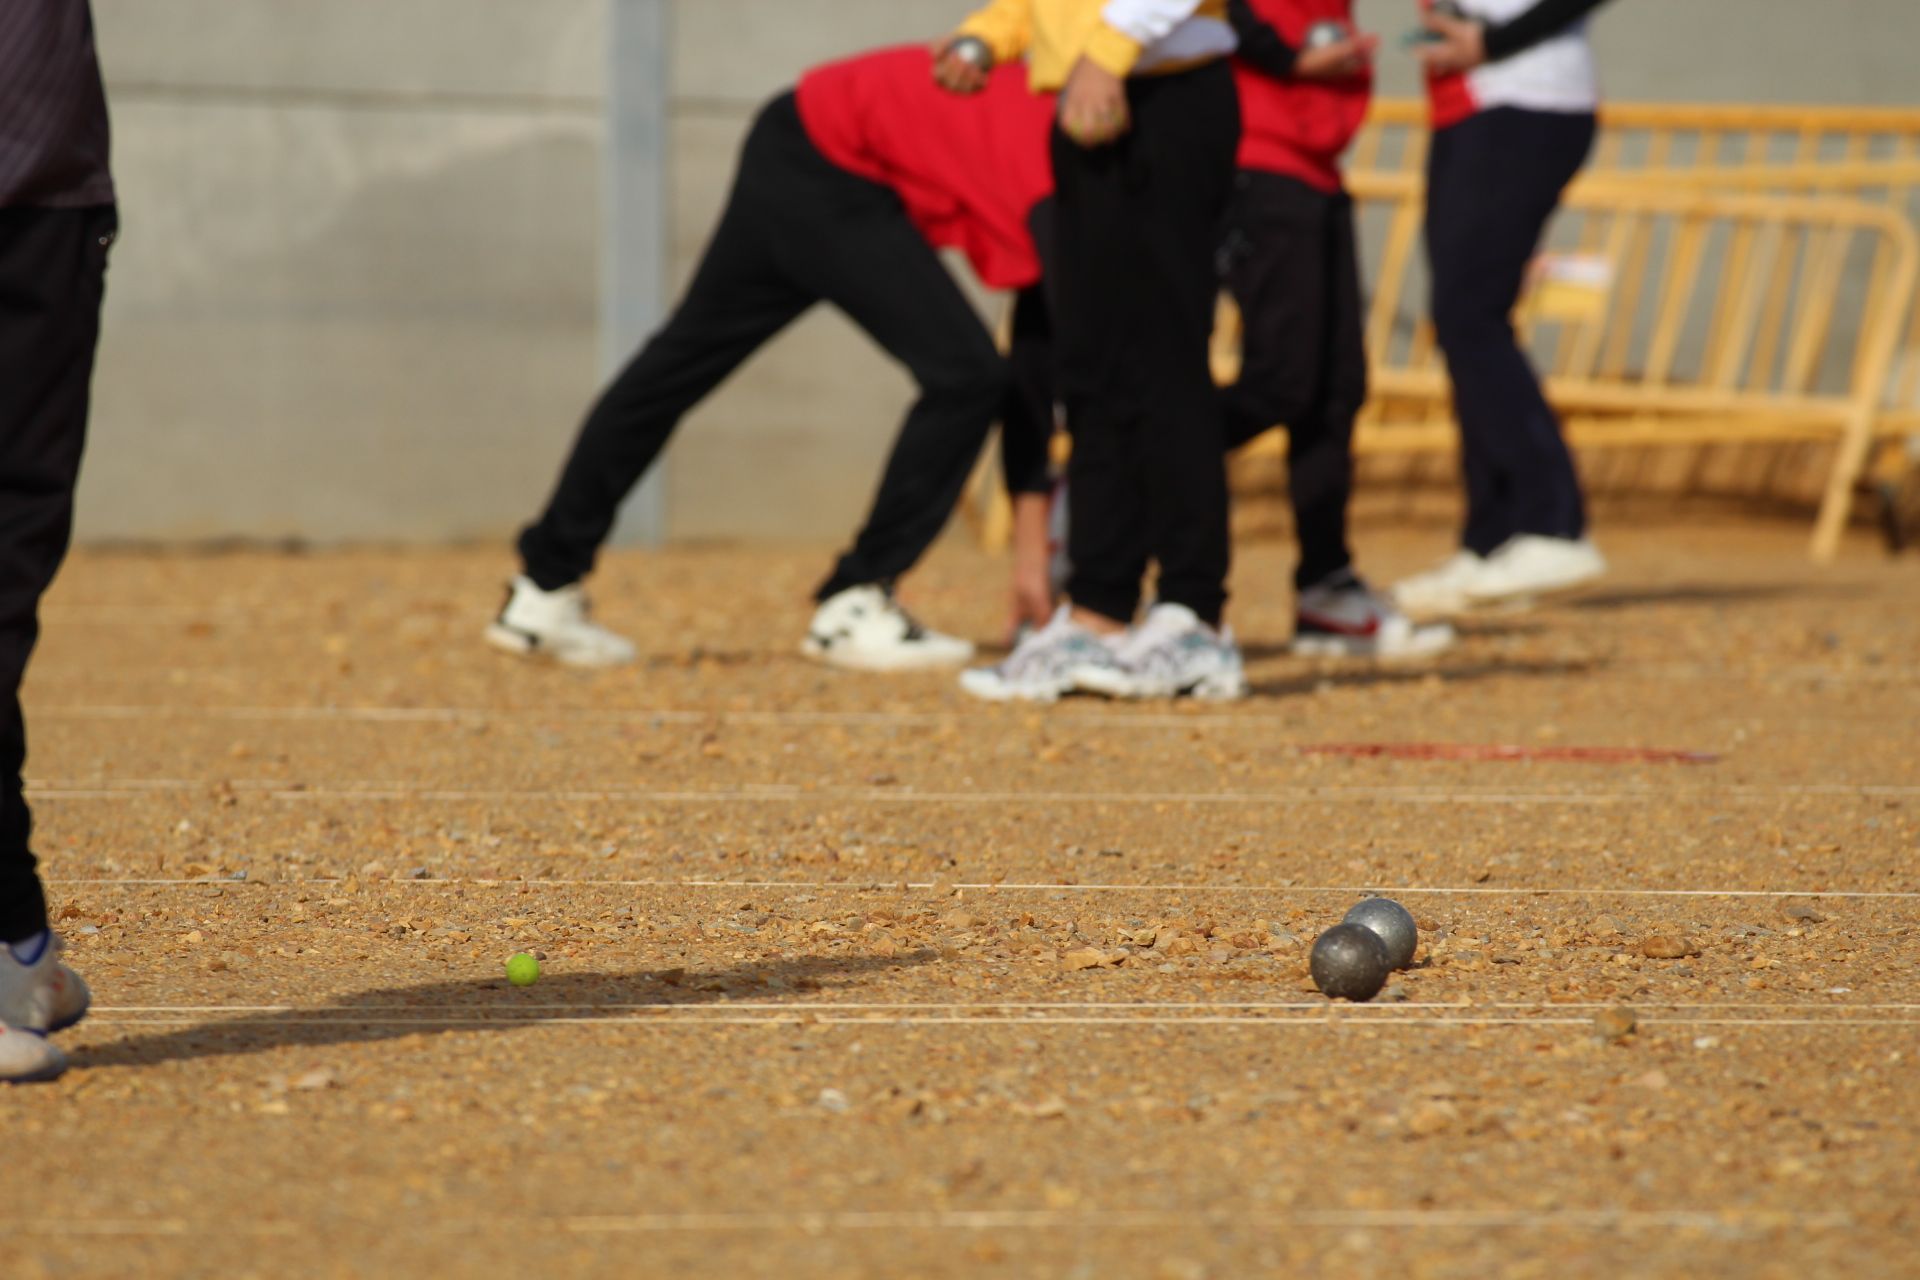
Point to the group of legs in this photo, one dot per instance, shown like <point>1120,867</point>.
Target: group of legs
<point>1138,239</point>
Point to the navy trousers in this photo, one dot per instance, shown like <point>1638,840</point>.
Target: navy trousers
<point>1493,181</point>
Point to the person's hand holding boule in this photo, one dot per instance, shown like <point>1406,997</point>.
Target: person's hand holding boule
<point>961,63</point>
<point>1093,105</point>
<point>1453,45</point>
<point>1338,60</point>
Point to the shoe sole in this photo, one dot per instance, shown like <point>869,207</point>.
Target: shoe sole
<point>826,655</point>
<point>1535,591</point>
<point>52,1071</point>
<point>69,1023</point>
<point>1427,642</point>
<point>1218,687</point>
<point>989,691</point>
<point>521,645</point>
<point>1434,610</point>
<point>1105,683</point>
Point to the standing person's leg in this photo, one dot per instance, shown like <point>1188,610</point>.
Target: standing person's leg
<point>1291,269</point>
<point>1098,242</point>
<point>1494,183</point>
<point>890,282</point>
<point>52,278</point>
<point>1520,437</point>
<point>738,299</point>
<point>1337,612</point>
<point>1294,268</point>
<point>877,267</point>
<point>1188,129</point>
<point>1478,247</point>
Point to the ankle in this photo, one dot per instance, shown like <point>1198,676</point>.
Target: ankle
<point>1098,623</point>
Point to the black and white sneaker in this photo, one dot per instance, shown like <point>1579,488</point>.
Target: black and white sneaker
<point>865,629</point>
<point>1342,617</point>
<point>556,625</point>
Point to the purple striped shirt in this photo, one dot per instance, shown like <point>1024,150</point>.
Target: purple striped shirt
<point>53,110</point>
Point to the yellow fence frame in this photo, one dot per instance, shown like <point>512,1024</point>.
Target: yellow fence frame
<point>1608,405</point>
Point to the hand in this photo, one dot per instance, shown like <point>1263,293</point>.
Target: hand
<point>1033,601</point>
<point>1342,60</point>
<point>954,73</point>
<point>1456,45</point>
<point>1093,105</point>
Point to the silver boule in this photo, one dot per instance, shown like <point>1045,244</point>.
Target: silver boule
<point>1394,923</point>
<point>974,50</point>
<point>1322,34</point>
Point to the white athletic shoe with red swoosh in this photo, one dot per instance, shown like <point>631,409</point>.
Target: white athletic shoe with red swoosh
<point>1342,617</point>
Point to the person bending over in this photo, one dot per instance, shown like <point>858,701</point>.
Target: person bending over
<point>847,187</point>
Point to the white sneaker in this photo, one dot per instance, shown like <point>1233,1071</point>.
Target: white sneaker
<point>1060,658</point>
<point>40,994</point>
<point>27,1057</point>
<point>1172,653</point>
<point>1439,592</point>
<point>37,996</point>
<point>1342,617</point>
<point>555,624</point>
<point>1528,565</point>
<point>865,629</point>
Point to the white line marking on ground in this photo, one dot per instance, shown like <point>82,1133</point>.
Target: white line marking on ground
<point>1161,1220</point>
<point>505,1017</point>
<point>1714,1221</point>
<point>817,886</point>
<point>1361,1011</point>
<point>791,794</point>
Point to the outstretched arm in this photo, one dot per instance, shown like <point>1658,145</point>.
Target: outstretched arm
<point>1005,27</point>
<point>1544,21</point>
<point>1461,44</point>
<point>1263,48</point>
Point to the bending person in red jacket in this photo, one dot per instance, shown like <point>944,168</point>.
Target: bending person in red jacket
<point>847,187</point>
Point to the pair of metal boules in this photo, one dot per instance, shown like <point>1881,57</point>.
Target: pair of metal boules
<point>1354,959</point>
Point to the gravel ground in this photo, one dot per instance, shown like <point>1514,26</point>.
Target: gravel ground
<point>850,976</point>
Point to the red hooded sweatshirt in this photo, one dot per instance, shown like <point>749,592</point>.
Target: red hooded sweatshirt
<point>1297,127</point>
<point>969,169</point>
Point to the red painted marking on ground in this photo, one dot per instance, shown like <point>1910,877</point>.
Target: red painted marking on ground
<point>1507,752</point>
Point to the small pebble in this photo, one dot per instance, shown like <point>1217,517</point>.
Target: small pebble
<point>1615,1024</point>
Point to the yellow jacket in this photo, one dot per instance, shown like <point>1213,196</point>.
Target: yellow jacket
<point>1055,34</point>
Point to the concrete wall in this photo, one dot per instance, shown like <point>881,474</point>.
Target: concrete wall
<point>357,293</point>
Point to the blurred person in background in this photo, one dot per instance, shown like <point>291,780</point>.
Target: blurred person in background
<point>1291,260</point>
<point>1143,168</point>
<point>1289,256</point>
<point>57,223</point>
<point>1514,90</point>
<point>848,186</point>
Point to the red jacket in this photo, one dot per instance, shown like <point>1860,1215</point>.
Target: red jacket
<point>1300,128</point>
<point>969,169</point>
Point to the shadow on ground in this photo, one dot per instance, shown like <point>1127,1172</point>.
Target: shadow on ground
<point>1699,593</point>
<point>390,1013</point>
<point>1374,676</point>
